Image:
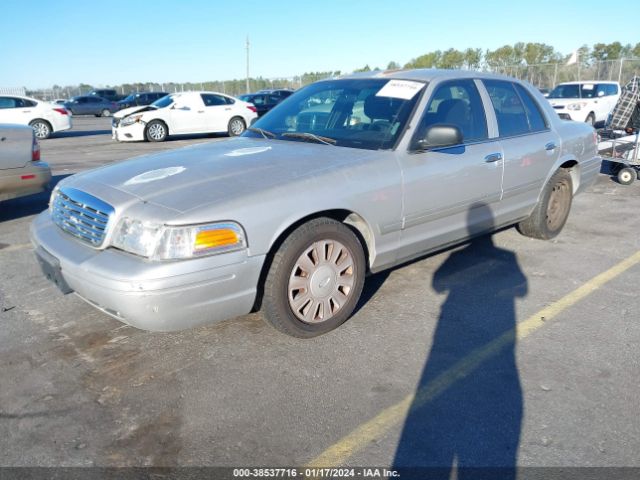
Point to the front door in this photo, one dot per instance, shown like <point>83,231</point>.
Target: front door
<point>451,193</point>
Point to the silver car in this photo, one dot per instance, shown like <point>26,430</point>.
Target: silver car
<point>344,178</point>
<point>21,171</point>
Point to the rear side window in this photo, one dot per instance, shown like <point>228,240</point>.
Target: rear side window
<point>7,102</point>
<point>510,111</point>
<point>534,114</point>
<point>213,100</point>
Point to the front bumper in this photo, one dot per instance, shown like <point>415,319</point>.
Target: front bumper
<point>156,296</point>
<point>130,133</point>
<point>30,179</point>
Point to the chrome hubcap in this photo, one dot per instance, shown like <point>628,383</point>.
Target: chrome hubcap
<point>321,281</point>
<point>156,131</point>
<point>625,176</point>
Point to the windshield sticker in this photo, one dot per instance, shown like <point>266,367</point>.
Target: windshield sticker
<point>404,89</point>
<point>246,151</point>
<point>153,175</point>
<point>588,86</point>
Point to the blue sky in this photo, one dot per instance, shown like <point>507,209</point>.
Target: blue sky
<point>66,42</point>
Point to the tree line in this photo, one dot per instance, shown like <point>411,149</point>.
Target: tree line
<point>518,54</point>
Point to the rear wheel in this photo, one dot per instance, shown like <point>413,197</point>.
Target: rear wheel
<point>156,131</point>
<point>106,113</point>
<point>551,212</point>
<point>626,176</point>
<point>41,128</point>
<point>315,279</point>
<point>236,126</point>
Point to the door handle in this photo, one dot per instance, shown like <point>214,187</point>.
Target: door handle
<point>493,157</point>
<point>228,108</point>
<point>550,146</point>
<point>200,111</point>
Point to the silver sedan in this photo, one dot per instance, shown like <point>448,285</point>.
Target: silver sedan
<point>344,178</point>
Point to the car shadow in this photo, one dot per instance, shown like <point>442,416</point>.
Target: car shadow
<point>79,133</point>
<point>29,205</point>
<point>465,419</point>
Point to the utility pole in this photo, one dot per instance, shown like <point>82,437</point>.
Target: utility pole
<point>247,63</point>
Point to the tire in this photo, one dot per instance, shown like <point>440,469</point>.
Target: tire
<point>551,212</point>
<point>156,131</point>
<point>41,128</point>
<point>626,176</point>
<point>236,126</point>
<point>591,119</point>
<point>315,279</point>
<point>105,113</point>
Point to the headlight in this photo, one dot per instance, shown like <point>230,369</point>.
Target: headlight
<point>576,106</point>
<point>130,120</point>
<point>161,242</point>
<point>52,198</point>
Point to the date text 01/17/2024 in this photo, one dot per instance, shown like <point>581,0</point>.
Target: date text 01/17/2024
<point>288,473</point>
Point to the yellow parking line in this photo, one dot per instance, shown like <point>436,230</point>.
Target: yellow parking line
<point>338,453</point>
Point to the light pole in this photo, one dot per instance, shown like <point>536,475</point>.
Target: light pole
<point>247,63</point>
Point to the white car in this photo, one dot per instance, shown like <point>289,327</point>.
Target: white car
<point>44,117</point>
<point>183,113</point>
<point>586,101</point>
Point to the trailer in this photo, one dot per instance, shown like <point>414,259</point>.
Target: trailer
<point>618,141</point>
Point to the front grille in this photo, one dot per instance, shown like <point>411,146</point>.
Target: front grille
<point>81,215</point>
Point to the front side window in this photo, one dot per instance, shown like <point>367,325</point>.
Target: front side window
<point>456,103</point>
<point>356,113</point>
<point>510,112</point>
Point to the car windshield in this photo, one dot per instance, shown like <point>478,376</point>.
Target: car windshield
<point>356,113</point>
<point>163,102</point>
<point>574,90</point>
<point>245,98</point>
<point>129,98</point>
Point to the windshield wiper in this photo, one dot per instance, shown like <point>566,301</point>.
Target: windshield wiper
<point>310,136</point>
<point>264,133</point>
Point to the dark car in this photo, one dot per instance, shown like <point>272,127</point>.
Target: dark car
<point>282,93</point>
<point>106,93</point>
<point>262,101</point>
<point>140,99</point>
<point>91,105</point>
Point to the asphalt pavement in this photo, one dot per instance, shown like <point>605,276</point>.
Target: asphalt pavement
<point>480,355</point>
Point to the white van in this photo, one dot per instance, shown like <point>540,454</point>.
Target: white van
<point>586,101</point>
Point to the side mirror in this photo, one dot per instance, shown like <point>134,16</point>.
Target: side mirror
<point>439,136</point>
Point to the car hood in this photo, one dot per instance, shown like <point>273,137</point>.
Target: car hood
<point>128,111</point>
<point>212,173</point>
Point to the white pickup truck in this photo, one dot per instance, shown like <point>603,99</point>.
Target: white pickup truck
<point>586,101</point>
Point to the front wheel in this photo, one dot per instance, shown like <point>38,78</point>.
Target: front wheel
<point>156,131</point>
<point>315,279</point>
<point>551,212</point>
<point>106,113</point>
<point>236,126</point>
<point>626,176</point>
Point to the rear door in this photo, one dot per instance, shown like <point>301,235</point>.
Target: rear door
<point>218,112</point>
<point>454,192</point>
<point>16,110</point>
<point>530,146</point>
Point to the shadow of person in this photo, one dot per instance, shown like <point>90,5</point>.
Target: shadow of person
<point>467,411</point>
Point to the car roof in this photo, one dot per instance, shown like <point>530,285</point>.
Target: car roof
<point>427,74</point>
<point>581,82</point>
